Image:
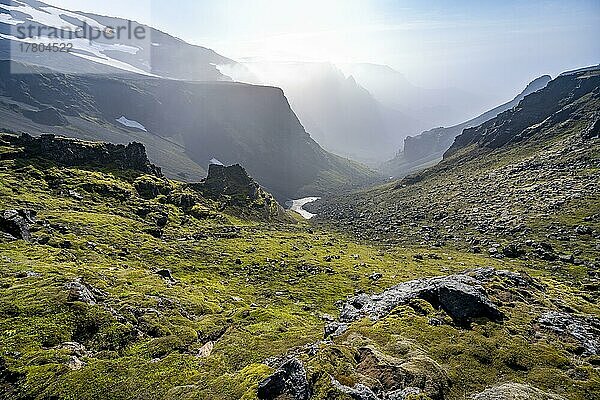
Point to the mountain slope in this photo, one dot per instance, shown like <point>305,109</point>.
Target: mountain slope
<point>428,147</point>
<point>151,52</point>
<point>525,181</point>
<point>194,121</point>
<point>116,283</point>
<point>340,114</point>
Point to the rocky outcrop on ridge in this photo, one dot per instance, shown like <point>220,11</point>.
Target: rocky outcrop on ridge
<point>72,153</point>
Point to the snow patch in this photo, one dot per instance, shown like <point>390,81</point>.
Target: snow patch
<point>51,16</point>
<point>214,161</point>
<point>95,48</point>
<point>131,123</point>
<point>8,19</point>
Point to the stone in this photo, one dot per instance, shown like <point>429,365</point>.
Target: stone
<point>394,374</point>
<point>513,250</point>
<point>583,230</point>
<point>17,223</point>
<point>74,348</point>
<point>335,329</point>
<point>375,276</point>
<point>166,274</point>
<point>358,392</point>
<point>514,391</point>
<point>206,350</point>
<point>75,194</point>
<point>460,295</point>
<point>79,291</point>
<point>290,379</point>
<point>75,363</point>
<point>402,394</point>
<point>584,329</point>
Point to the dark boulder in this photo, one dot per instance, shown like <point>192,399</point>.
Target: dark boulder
<point>290,379</point>
<point>513,250</point>
<point>17,223</point>
<point>166,274</point>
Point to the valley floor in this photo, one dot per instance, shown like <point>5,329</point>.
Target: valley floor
<point>98,305</point>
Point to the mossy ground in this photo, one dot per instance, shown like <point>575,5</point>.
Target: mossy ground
<point>257,293</point>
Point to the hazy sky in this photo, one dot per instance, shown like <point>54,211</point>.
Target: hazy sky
<point>492,48</point>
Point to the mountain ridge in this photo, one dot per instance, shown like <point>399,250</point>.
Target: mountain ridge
<point>196,121</point>
<point>422,150</point>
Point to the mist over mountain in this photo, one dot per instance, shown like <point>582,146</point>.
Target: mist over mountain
<point>145,251</point>
<point>430,107</point>
<point>360,111</point>
<point>428,148</point>
<point>185,122</point>
<point>338,112</point>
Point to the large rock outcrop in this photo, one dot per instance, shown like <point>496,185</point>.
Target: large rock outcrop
<point>71,152</point>
<point>229,181</point>
<point>462,296</point>
<point>233,186</point>
<point>585,330</point>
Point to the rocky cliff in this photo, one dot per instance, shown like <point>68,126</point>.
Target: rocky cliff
<point>71,152</point>
<point>185,124</point>
<point>553,105</point>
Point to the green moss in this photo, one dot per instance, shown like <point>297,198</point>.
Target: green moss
<point>255,294</point>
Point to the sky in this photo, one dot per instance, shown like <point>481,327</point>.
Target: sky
<point>489,48</point>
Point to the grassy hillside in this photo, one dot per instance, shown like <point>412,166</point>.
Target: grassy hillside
<point>88,310</point>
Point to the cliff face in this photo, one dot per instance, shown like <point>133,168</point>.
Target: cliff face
<point>70,153</point>
<point>236,123</point>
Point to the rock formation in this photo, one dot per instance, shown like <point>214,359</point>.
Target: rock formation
<point>461,296</point>
<point>71,152</point>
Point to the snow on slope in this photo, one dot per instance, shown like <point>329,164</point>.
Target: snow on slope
<point>131,123</point>
<point>9,20</point>
<point>52,16</point>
